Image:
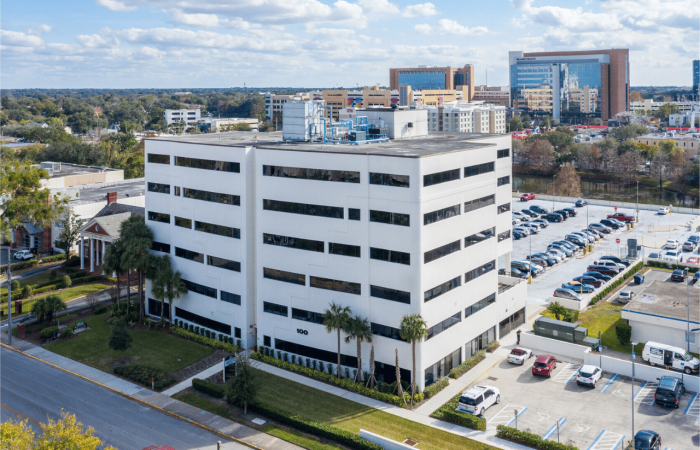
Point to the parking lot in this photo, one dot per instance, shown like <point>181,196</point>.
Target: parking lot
<point>543,286</point>
<point>589,418</point>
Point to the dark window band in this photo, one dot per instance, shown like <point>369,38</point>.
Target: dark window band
<point>230,298</point>
<point>479,169</point>
<point>390,294</point>
<point>344,249</point>
<point>390,218</point>
<point>441,214</point>
<point>333,212</point>
<point>503,153</point>
<point>292,242</point>
<point>503,208</point>
<point>158,159</point>
<point>442,289</point>
<point>203,321</point>
<point>353,214</point>
<point>308,316</point>
<point>440,177</point>
<point>301,173</point>
<point>199,288</point>
<point>386,331</point>
<point>481,304</point>
<point>217,229</point>
<point>188,254</point>
<point>504,180</point>
<point>479,203</point>
<point>160,247</point>
<point>478,237</point>
<point>182,222</point>
<point>441,251</point>
<point>386,179</point>
<point>159,188</point>
<point>274,308</point>
<point>336,285</point>
<point>287,277</point>
<point>223,263</point>
<point>208,164</point>
<point>503,236</point>
<point>444,325</point>
<point>479,271</point>
<point>393,256</point>
<point>321,355</point>
<point>158,217</point>
<point>214,197</point>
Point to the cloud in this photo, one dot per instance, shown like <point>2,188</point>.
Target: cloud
<point>19,39</point>
<point>41,29</point>
<point>423,28</point>
<point>573,19</point>
<point>116,5</point>
<point>521,4</point>
<point>378,6</point>
<point>422,9</point>
<point>207,20</point>
<point>448,26</point>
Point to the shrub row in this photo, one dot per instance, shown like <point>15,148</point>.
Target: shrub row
<point>344,383</point>
<point>73,261</point>
<point>608,289</point>
<point>316,428</point>
<point>74,276</point>
<point>54,286</point>
<point>448,412</point>
<point>467,365</point>
<point>21,265</point>
<point>205,332</point>
<point>492,346</point>
<point>531,440</point>
<point>208,388</point>
<point>54,258</point>
<point>48,332</point>
<point>143,375</point>
<point>233,349</point>
<point>665,265</point>
<point>436,387</point>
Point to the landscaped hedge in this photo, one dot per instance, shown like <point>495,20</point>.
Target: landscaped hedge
<point>608,289</point>
<point>448,412</point>
<point>436,387</point>
<point>54,258</point>
<point>233,349</point>
<point>344,383</point>
<point>531,440</point>
<point>21,265</point>
<point>467,365</point>
<point>665,265</point>
<point>143,375</point>
<point>208,388</point>
<point>48,332</point>
<point>323,430</point>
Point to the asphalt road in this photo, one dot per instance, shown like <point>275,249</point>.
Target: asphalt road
<point>34,390</point>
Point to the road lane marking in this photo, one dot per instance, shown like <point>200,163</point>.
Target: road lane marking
<point>19,414</point>
<point>596,440</point>
<point>645,394</point>
<point>551,431</point>
<point>609,383</point>
<point>607,440</point>
<point>567,374</point>
<point>693,408</point>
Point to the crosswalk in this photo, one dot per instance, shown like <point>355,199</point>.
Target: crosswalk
<point>567,374</point>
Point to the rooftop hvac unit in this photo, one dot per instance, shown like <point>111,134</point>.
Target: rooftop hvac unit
<point>50,165</point>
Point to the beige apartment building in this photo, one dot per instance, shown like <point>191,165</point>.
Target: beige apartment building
<point>431,77</point>
<point>492,95</point>
<point>535,99</point>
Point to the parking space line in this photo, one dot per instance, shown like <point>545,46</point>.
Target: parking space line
<point>693,408</point>
<point>513,419</point>
<point>596,440</point>
<point>551,431</point>
<point>645,394</point>
<point>609,383</point>
<point>567,374</point>
<point>607,440</point>
<point>505,416</point>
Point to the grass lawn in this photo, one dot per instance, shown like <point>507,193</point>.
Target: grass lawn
<point>316,405</point>
<point>66,295</point>
<point>33,281</point>
<point>603,317</point>
<point>156,349</point>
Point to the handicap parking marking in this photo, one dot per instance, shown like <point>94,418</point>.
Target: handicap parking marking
<point>693,408</point>
<point>607,440</point>
<point>567,374</point>
<point>609,383</point>
<point>551,431</point>
<point>506,415</point>
<point>645,394</point>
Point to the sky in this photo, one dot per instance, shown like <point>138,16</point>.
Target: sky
<point>325,43</point>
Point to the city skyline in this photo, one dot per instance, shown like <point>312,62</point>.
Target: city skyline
<point>313,43</point>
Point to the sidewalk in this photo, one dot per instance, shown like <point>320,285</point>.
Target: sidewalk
<point>236,431</point>
<point>203,375</point>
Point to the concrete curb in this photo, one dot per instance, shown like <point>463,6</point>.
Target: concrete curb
<point>157,408</point>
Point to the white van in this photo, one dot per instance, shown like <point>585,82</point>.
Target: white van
<point>665,355</point>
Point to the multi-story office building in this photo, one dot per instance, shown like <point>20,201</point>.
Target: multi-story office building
<point>430,77</point>
<point>463,117</point>
<point>493,95</point>
<point>275,102</point>
<point>189,116</point>
<point>584,84</point>
<point>696,76</point>
<point>652,106</point>
<point>268,234</point>
<point>368,97</point>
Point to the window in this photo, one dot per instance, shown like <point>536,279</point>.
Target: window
<point>390,294</point>
<point>440,214</point>
<point>333,212</point>
<point>386,179</point>
<point>503,208</point>
<point>353,214</point>
<point>390,218</point>
<point>208,164</point>
<point>441,251</point>
<point>479,271</point>
<point>503,153</point>
<point>478,237</point>
<point>182,222</point>
<point>341,176</point>
<point>267,341</point>
<point>481,304</point>
<point>158,187</point>
<point>692,337</point>
<point>307,316</point>
<point>503,236</point>
<point>321,355</point>
<point>187,254</point>
<point>479,203</point>
<point>390,256</point>
<point>440,177</point>
<point>217,229</point>
<point>231,298</point>
<point>444,325</point>
<point>203,321</point>
<point>160,247</point>
<point>336,285</point>
<point>383,330</point>
<point>237,332</point>
<point>177,190</point>
<point>479,169</point>
<point>344,249</point>
<point>504,180</point>
<point>442,289</point>
<point>223,263</point>
<point>274,308</point>
<point>214,197</point>
<point>158,217</point>
<point>287,277</point>
<point>292,242</point>
<point>158,159</point>
<point>199,288</point>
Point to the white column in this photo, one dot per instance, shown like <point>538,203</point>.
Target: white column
<point>82,252</point>
<point>92,256</point>
<point>508,257</point>
<point>102,263</point>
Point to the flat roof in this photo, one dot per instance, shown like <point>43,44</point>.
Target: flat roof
<point>97,192</point>
<point>75,169</point>
<point>431,145</point>
<point>666,299</point>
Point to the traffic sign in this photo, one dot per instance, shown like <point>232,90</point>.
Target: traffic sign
<point>617,240</point>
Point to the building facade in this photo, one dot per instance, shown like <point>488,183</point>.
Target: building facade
<point>430,77</point>
<point>584,84</point>
<point>463,117</point>
<point>267,235</point>
<point>493,95</point>
<point>189,116</point>
<point>696,76</point>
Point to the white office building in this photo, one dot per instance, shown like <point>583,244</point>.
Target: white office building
<point>189,116</point>
<point>268,234</point>
<point>467,117</point>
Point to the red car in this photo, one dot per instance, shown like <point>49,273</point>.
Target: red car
<point>526,197</point>
<point>621,217</point>
<point>544,365</point>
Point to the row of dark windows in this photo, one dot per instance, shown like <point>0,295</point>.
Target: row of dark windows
<point>440,177</point>
<point>390,218</point>
<point>441,214</point>
<point>503,208</point>
<point>158,159</point>
<point>205,322</point>
<point>199,288</point>
<point>183,222</point>
<point>189,254</point>
<point>159,188</point>
<point>230,298</point>
<point>344,249</point>
<point>481,304</point>
<point>504,180</point>
<point>390,294</point>
<point>219,230</point>
<point>158,217</point>
<point>284,276</point>
<point>308,316</point>
<point>479,203</point>
<point>336,285</point>
<point>441,251</point>
<point>479,271</point>
<point>321,355</point>
<point>503,236</point>
<point>444,325</point>
<point>503,153</point>
<point>333,212</point>
<point>393,256</point>
<point>479,169</point>
<point>292,242</point>
<point>386,331</point>
<point>222,263</point>
<point>208,164</point>
<point>341,176</point>
<point>160,247</point>
<point>442,289</point>
<point>214,197</point>
<point>387,179</point>
<point>274,308</point>
<point>479,237</point>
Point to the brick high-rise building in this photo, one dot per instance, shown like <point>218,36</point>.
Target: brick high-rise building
<point>431,77</point>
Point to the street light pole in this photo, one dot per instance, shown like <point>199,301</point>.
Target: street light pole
<point>687,300</point>
<point>633,345</point>
<point>9,295</point>
<point>637,201</point>
<point>554,189</point>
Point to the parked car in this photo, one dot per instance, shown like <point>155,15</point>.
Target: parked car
<point>672,244</point>
<point>622,217</point>
<point>549,254</point>
<point>669,392</point>
<point>618,222</point>
<point>676,358</point>
<point>526,231</point>
<point>526,197</point>
<point>625,296</point>
<point>563,213</point>
<point>600,227</point>
<point>576,240</point>
<point>538,209</point>
<point>605,270</point>
<point>516,273</point>
<point>624,262</point>
<point>519,355</point>
<point>695,239</point>
<point>647,440</point>
<point>601,276</point>
<point>588,376</point>
<point>559,253</point>
<point>688,247</point>
<point>518,234</point>
<point>529,213</point>
<point>693,260</point>
<point>543,223</point>
<point>571,211</point>
<point>567,244</point>
<point>589,280</point>
<point>594,233</point>
<point>654,255</point>
<point>663,210</point>
<point>478,399</point>
<point>520,216</point>
<point>23,254</point>
<point>525,266</point>
<point>560,248</point>
<point>674,256</point>
<point>544,262</point>
<point>605,262</point>
<point>544,365</point>
<point>579,288</point>
<point>553,217</point>
<point>610,224</point>
<point>584,237</point>
<point>534,229</point>
<point>678,275</point>
<point>567,294</point>
<point>581,202</point>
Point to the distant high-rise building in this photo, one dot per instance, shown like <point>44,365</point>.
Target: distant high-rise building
<point>571,86</point>
<point>431,77</point>
<point>696,76</point>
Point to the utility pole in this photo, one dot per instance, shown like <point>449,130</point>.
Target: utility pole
<point>554,187</point>
<point>9,295</point>
<point>633,388</point>
<point>687,296</point>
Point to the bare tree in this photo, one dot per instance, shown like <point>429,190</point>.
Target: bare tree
<point>678,168</point>
<point>541,156</point>
<point>113,293</point>
<point>608,159</point>
<point>568,182</point>
<point>659,167</point>
<point>627,165</point>
<point>398,376</point>
<point>588,158</point>
<point>92,300</point>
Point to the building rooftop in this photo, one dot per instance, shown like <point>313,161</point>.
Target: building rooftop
<point>690,136</point>
<point>92,193</point>
<point>664,299</point>
<point>431,145</point>
<point>68,170</point>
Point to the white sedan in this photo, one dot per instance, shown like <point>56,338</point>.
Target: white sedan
<point>663,210</point>
<point>519,355</point>
<point>588,376</point>
<point>23,254</point>
<point>672,244</point>
<point>673,256</point>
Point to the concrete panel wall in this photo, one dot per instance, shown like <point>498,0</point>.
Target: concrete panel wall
<point>532,341</point>
<point>622,205</point>
<point>385,443</point>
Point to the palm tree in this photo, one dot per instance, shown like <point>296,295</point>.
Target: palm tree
<point>336,318</point>
<point>359,329</point>
<point>113,262</point>
<point>557,309</point>
<point>166,284</point>
<point>138,239</point>
<point>413,329</point>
